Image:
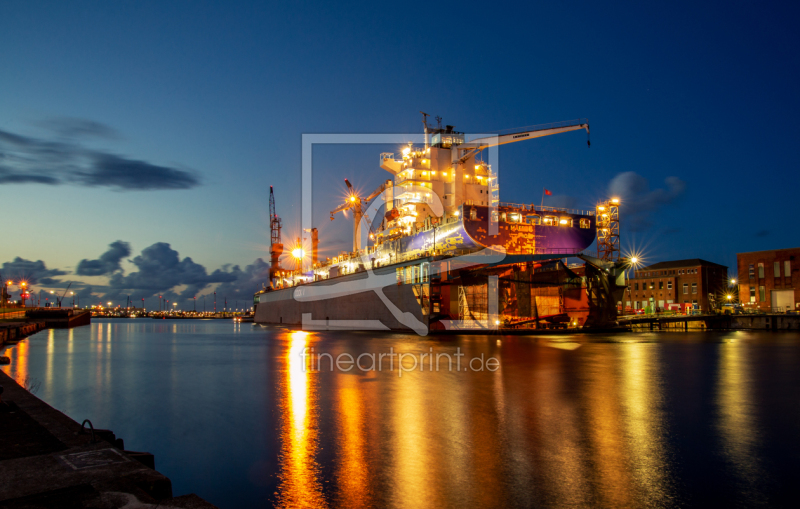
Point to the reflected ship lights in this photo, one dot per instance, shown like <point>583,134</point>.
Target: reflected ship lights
<point>300,485</point>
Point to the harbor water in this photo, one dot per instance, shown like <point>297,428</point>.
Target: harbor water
<point>248,416</point>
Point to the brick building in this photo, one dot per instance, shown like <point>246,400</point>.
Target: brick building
<point>769,280</point>
<point>680,283</point>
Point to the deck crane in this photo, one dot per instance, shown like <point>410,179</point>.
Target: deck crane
<point>275,245</point>
<point>355,203</point>
<point>463,155</point>
<point>473,147</point>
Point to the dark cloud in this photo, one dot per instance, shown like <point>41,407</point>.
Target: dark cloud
<point>71,127</point>
<point>762,233</point>
<point>108,262</point>
<point>34,272</point>
<point>110,170</point>
<point>8,176</point>
<point>638,201</point>
<point>41,161</point>
<point>161,271</point>
<point>247,282</point>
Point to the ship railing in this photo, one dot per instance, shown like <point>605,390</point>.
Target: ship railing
<point>416,175</point>
<point>532,207</point>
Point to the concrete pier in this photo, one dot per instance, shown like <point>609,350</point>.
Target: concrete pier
<point>47,461</point>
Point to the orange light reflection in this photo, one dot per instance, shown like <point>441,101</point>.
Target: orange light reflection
<point>299,478</point>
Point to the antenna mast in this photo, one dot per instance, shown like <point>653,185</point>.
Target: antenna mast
<point>425,125</point>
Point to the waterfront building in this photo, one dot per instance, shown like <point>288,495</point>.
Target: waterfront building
<point>677,285</point>
<point>769,280</point>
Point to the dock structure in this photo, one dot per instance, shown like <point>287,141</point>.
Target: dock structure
<point>748,321</point>
<point>49,460</point>
<point>34,320</point>
<point>661,322</point>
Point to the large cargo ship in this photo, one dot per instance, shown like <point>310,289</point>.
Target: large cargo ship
<point>427,243</point>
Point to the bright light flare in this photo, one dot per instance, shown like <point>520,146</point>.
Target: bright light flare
<point>298,253</point>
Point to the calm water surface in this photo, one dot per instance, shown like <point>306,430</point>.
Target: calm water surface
<point>232,414</point>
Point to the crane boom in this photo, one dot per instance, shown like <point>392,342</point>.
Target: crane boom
<point>481,143</point>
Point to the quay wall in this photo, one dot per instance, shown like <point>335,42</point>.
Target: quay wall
<point>766,322</point>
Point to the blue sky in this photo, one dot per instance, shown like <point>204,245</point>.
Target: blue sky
<point>692,108</point>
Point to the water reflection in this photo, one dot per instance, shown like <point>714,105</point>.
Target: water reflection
<point>300,484</point>
<point>607,424</point>
<point>353,472</point>
<point>645,426</point>
<point>737,425</point>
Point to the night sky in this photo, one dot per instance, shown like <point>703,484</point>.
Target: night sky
<point>138,140</point>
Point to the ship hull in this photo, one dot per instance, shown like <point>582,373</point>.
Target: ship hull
<point>353,308</point>
<point>471,232</point>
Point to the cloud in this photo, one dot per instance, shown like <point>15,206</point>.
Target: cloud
<point>638,201</point>
<point>71,127</point>
<point>762,233</point>
<point>161,270</point>
<point>108,262</point>
<point>247,282</point>
<point>34,272</point>
<point>25,159</point>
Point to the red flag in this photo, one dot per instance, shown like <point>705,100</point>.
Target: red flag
<point>548,193</point>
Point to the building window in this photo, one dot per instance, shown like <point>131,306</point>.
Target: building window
<point>776,269</point>
<point>752,294</point>
<point>752,271</point>
<point>760,271</point>
<point>636,304</point>
<point>686,288</point>
<point>787,269</point>
<point>660,285</point>
<point>762,294</point>
<point>652,285</point>
<point>694,287</point>
<point>669,285</point>
<point>636,286</point>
